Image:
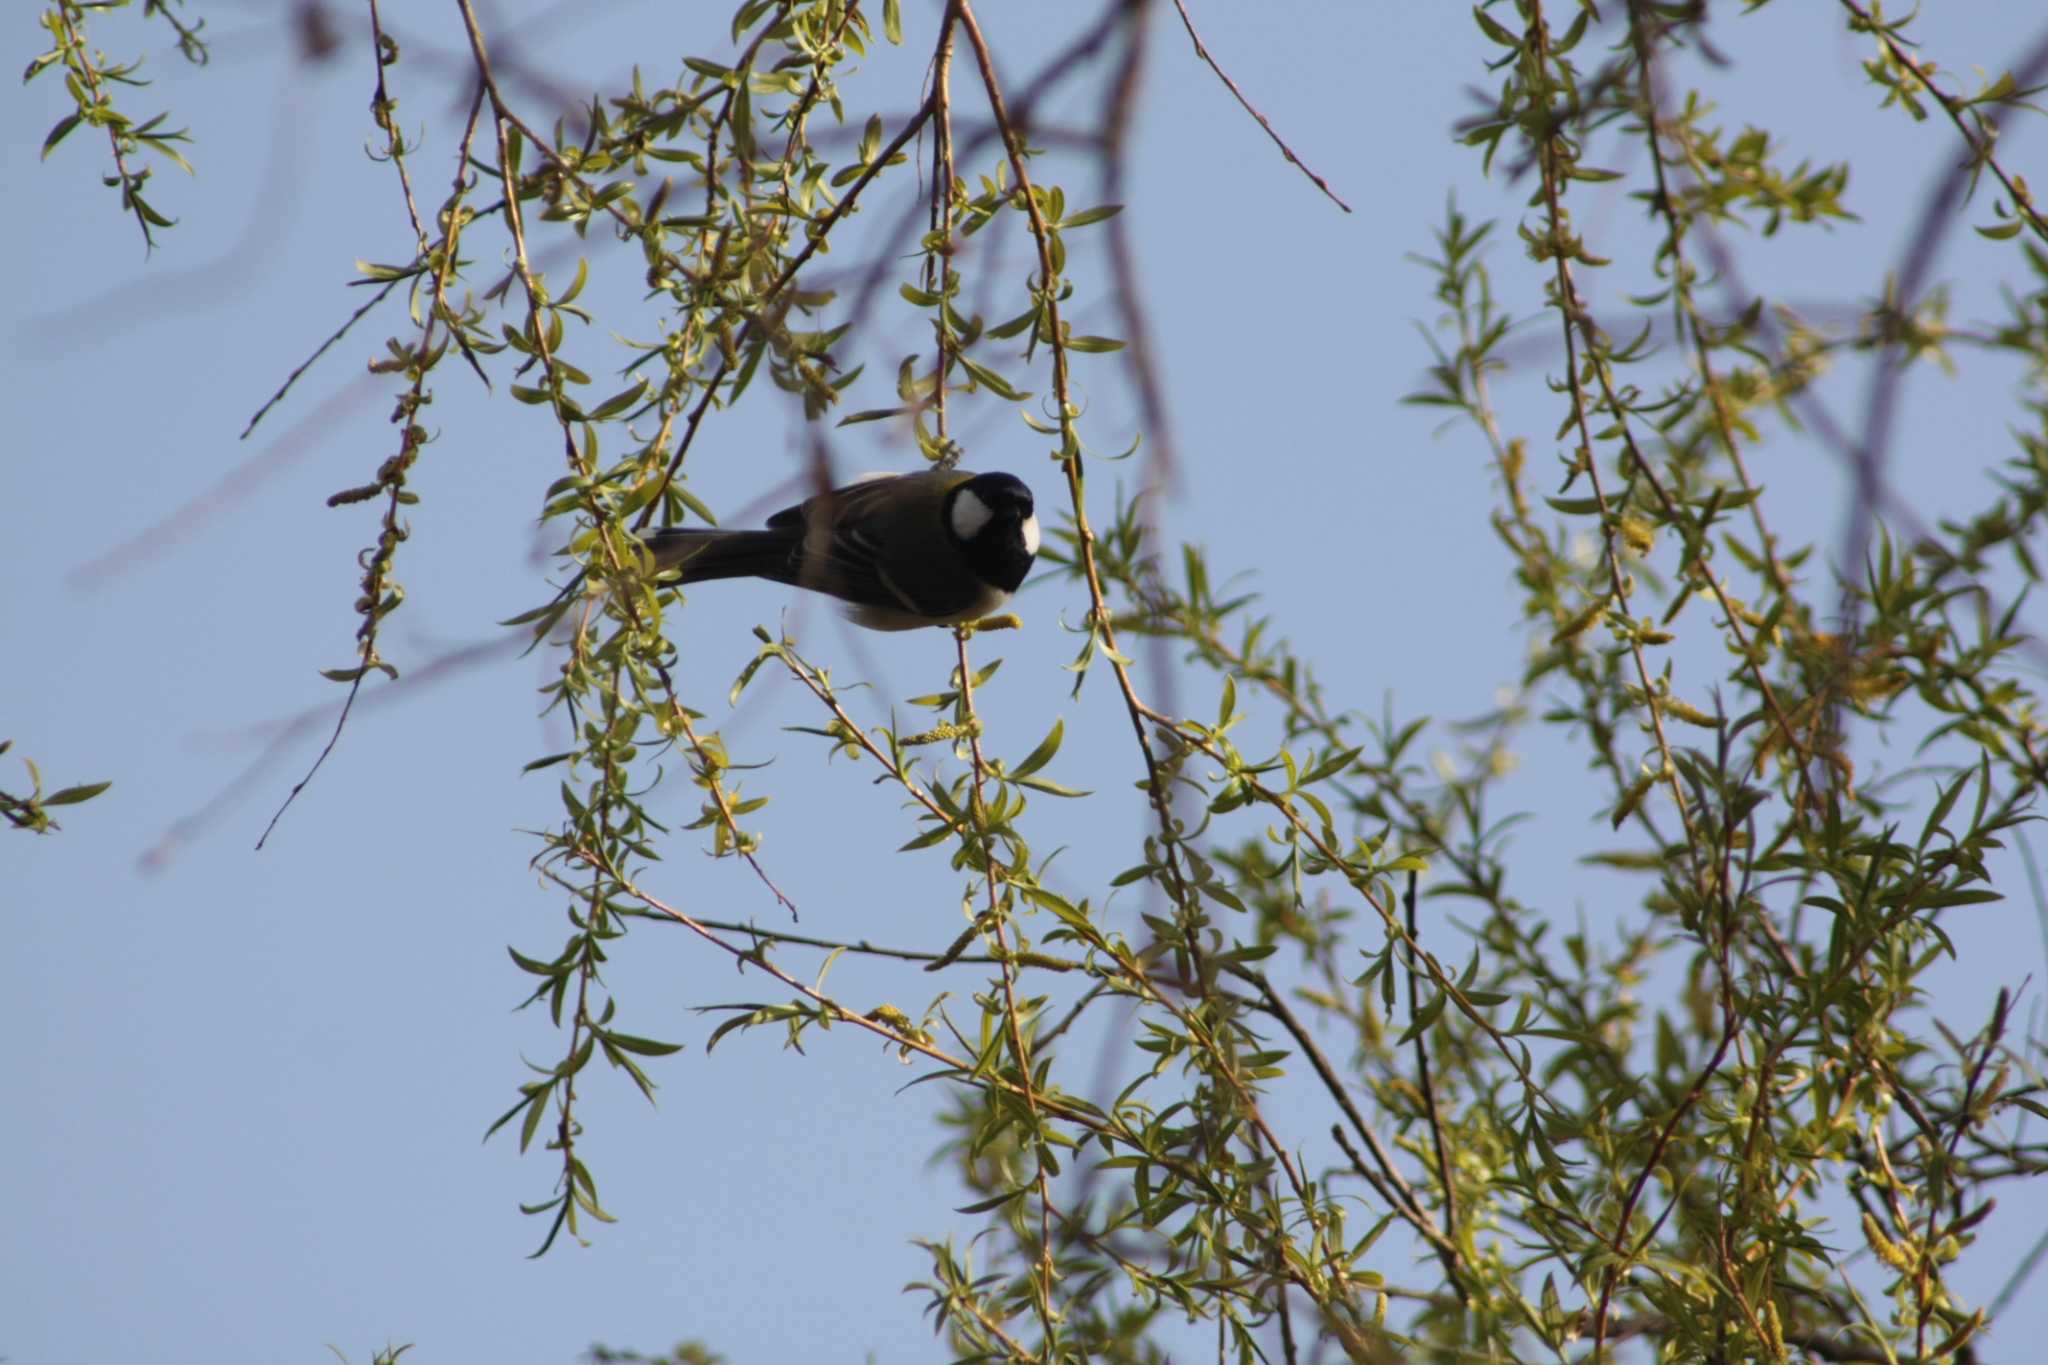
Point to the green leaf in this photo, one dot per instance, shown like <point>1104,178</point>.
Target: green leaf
<point>155,219</point>
<point>992,381</point>
<point>644,1047</point>
<point>1087,216</point>
<point>1016,326</point>
<point>1042,755</point>
<point>1494,29</point>
<point>996,1201</point>
<point>871,415</point>
<point>738,1022</point>
<point>536,1108</point>
<point>1039,784</point>
<point>1424,1017</point>
<point>694,503</point>
<point>619,402</point>
<point>62,130</point>
<point>746,676</point>
<point>938,833</point>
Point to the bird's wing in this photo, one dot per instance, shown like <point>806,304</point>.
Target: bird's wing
<point>855,539</point>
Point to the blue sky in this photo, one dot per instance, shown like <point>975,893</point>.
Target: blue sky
<point>249,1088</point>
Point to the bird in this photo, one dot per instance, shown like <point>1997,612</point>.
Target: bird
<point>939,547</point>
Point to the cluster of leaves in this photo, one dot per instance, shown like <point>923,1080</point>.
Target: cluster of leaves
<point>32,811</point>
<point>93,81</point>
<point>1693,1190</point>
<point>731,277</point>
<point>729,274</point>
<point>1594,1168</point>
<point>732,271</point>
<point>1564,1158</point>
<point>1569,1161</point>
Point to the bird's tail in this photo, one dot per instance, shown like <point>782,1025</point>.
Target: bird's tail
<point>702,554</point>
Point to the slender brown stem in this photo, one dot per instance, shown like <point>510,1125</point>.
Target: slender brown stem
<point>381,107</point>
<point>1072,460</point>
<point>1387,1178</point>
<point>678,715</point>
<point>957,1067</point>
<point>391,477</point>
<point>861,947</point>
<point>1429,1105</point>
<point>1200,51</point>
<point>65,14</point>
<point>942,212</point>
<point>1026,1076</point>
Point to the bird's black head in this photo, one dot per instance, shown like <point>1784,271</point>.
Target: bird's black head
<point>992,520</point>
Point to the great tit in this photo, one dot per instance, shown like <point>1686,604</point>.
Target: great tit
<point>939,547</point>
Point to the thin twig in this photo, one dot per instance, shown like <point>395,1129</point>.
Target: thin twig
<point>862,947</point>
<point>679,716</point>
<point>318,351</point>
<point>1285,150</point>
<point>881,272</point>
<point>1623,1255</point>
<point>1572,317</point>
<point>333,738</point>
<point>941,263</point>
<point>774,290</point>
<point>381,106</point>
<point>1026,1076</point>
<point>1070,454</point>
<point>391,477</point>
<point>1140,352</point>
<point>957,1068</point>
<point>1684,302</point>
<point>852,733</point>
<point>1391,1184</point>
<point>1429,1106</point>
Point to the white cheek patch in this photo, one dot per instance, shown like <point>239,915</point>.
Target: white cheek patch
<point>1030,529</point>
<point>969,514</point>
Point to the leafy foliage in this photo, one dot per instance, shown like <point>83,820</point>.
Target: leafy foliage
<point>92,80</point>
<point>1722,1128</point>
<point>32,812</point>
